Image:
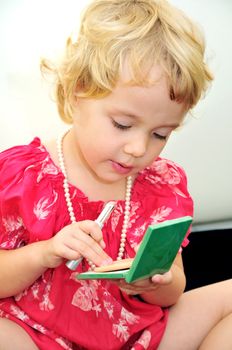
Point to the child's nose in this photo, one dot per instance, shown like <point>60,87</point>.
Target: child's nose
<point>136,147</point>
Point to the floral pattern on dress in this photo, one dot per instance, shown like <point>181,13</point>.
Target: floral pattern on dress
<point>12,223</point>
<point>23,316</point>
<point>47,168</point>
<point>15,229</point>
<point>109,307</point>
<point>133,213</point>
<point>166,173</point>
<point>67,345</point>
<point>3,314</point>
<point>115,217</point>
<point>86,297</point>
<point>20,314</point>
<point>19,296</point>
<point>160,214</point>
<point>121,329</point>
<point>43,207</point>
<point>46,304</point>
<point>35,290</point>
<point>144,340</point>
<point>39,328</point>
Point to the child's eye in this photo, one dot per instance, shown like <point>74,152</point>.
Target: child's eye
<point>120,126</point>
<point>160,137</point>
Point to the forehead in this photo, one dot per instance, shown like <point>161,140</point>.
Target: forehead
<point>153,75</point>
<point>155,84</point>
<point>155,79</point>
<point>151,100</point>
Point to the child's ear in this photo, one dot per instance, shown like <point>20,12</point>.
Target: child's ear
<point>78,90</point>
<point>75,100</point>
<point>80,86</point>
<point>76,97</point>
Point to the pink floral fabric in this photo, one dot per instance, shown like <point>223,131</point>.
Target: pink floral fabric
<point>57,310</point>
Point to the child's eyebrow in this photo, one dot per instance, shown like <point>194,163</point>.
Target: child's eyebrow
<point>173,126</point>
<point>126,113</point>
<point>137,117</point>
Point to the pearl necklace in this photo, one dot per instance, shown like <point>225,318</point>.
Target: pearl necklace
<point>70,206</point>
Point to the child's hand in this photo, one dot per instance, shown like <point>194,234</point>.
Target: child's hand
<point>82,238</point>
<point>146,285</point>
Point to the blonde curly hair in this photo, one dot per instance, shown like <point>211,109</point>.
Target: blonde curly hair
<point>145,33</point>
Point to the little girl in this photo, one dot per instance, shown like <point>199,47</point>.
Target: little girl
<point>125,84</point>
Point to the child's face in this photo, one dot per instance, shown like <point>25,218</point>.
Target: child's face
<point>123,133</point>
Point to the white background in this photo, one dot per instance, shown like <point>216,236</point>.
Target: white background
<point>32,29</point>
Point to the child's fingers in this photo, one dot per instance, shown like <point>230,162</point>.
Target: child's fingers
<point>138,287</point>
<point>145,285</point>
<point>84,239</point>
<point>166,278</point>
<point>87,247</point>
<point>91,228</point>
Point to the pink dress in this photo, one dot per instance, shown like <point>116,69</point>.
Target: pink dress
<point>57,310</point>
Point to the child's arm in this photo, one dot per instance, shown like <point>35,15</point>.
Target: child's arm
<point>170,286</point>
<point>19,268</point>
<point>163,290</point>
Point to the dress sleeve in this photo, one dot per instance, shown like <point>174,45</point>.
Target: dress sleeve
<point>26,197</point>
<point>164,193</point>
<point>184,202</point>
<point>175,180</point>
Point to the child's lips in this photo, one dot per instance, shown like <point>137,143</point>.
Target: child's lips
<point>121,168</point>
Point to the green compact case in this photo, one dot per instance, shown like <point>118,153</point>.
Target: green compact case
<point>155,255</point>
